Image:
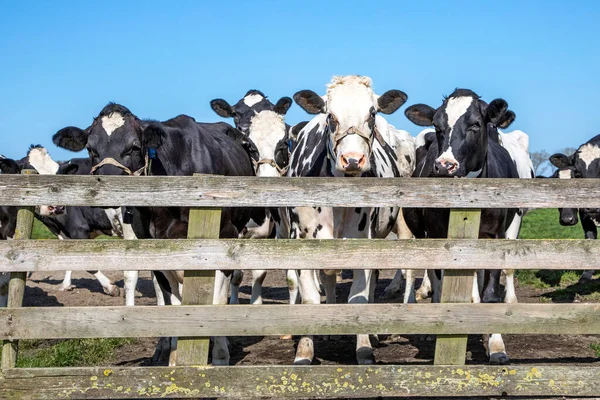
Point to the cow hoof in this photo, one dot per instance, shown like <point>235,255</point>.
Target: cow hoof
<point>116,292</point>
<point>66,288</point>
<point>422,295</point>
<point>285,337</point>
<point>365,356</point>
<point>499,359</point>
<point>162,351</point>
<point>302,361</point>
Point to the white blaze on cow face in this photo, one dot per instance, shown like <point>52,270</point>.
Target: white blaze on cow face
<point>456,107</point>
<point>588,153</point>
<point>112,122</point>
<point>39,159</point>
<point>350,101</point>
<point>252,99</point>
<point>267,129</point>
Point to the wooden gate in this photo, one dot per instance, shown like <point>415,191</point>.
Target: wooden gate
<point>200,255</point>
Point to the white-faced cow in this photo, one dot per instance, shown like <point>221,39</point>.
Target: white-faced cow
<point>463,147</point>
<point>584,163</point>
<point>271,140</point>
<point>119,143</point>
<point>344,139</point>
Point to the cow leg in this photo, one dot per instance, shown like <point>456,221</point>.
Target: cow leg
<point>410,296</point>
<point>475,297</point>
<point>435,277</point>
<point>107,285</point>
<point>359,294</point>
<point>497,351</point>
<point>491,293</point>
<point>510,297</point>
<point>236,281</point>
<point>66,283</point>
<point>309,292</point>
<point>160,298</point>
<point>329,282</point>
<point>220,353</point>
<point>4,280</point>
<point>395,285</point>
<point>258,277</point>
<point>292,282</point>
<point>130,279</point>
<point>425,288</point>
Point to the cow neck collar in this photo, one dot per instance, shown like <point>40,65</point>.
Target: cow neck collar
<point>145,170</point>
<point>332,143</point>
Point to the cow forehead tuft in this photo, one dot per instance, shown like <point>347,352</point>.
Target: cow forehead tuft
<point>252,99</point>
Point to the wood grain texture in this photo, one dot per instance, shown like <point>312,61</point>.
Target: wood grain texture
<point>313,382</point>
<point>16,286</point>
<point>221,191</point>
<point>300,319</point>
<point>228,254</point>
<point>457,287</point>
<point>198,286</point>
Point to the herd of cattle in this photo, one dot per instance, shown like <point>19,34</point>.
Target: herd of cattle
<point>346,138</point>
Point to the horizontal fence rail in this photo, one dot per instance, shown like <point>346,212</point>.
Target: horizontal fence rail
<point>304,319</point>
<point>228,254</point>
<point>328,381</point>
<point>222,191</point>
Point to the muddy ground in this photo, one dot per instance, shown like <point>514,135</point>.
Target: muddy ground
<point>42,290</point>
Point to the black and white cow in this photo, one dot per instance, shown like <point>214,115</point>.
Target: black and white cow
<point>119,143</point>
<point>463,147</point>
<point>345,138</point>
<point>584,163</point>
<point>271,138</point>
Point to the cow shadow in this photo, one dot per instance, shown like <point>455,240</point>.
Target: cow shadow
<point>36,297</point>
<point>573,292</point>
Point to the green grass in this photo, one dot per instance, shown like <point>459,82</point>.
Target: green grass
<point>68,353</point>
<point>543,224</point>
<point>40,231</point>
<point>596,348</point>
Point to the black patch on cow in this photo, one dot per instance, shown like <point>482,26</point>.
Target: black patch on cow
<point>357,210</point>
<point>363,222</point>
<point>317,229</point>
<point>407,158</point>
<point>319,209</point>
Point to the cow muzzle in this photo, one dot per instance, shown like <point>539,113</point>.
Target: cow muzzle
<point>444,167</point>
<point>353,149</point>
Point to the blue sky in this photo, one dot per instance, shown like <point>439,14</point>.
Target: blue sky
<point>63,61</point>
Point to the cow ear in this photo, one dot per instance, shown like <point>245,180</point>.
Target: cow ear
<point>420,114</point>
<point>561,161</point>
<point>390,101</point>
<point>496,110</point>
<point>68,169</point>
<point>283,105</point>
<point>310,102</point>
<point>509,118</point>
<point>222,108</point>
<point>71,138</point>
<point>153,136</point>
<point>295,131</point>
<point>9,166</point>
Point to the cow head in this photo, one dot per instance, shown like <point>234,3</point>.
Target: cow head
<point>351,107</point>
<point>116,141</point>
<point>461,127</point>
<point>263,123</point>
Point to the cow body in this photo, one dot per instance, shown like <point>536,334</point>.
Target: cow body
<point>462,146</point>
<point>343,139</point>
<point>119,143</point>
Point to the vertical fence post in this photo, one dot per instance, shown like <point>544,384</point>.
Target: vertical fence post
<point>16,286</point>
<point>457,287</point>
<point>198,286</point>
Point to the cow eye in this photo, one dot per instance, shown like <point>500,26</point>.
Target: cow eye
<point>373,112</point>
<point>91,152</point>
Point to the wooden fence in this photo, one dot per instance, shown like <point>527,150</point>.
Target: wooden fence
<point>200,255</point>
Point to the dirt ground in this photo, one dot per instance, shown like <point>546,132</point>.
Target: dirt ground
<point>394,349</point>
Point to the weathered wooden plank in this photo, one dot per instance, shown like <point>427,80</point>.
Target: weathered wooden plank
<point>301,319</point>
<point>227,254</point>
<point>457,287</point>
<point>198,286</point>
<point>16,286</point>
<point>222,191</point>
<point>300,382</point>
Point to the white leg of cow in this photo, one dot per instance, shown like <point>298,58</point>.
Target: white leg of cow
<point>292,282</point>
<point>359,294</point>
<point>4,280</point>
<point>395,285</point>
<point>236,281</point>
<point>160,298</point>
<point>66,283</point>
<point>309,292</point>
<point>425,288</point>
<point>475,297</point>
<point>130,279</point>
<point>107,285</point>
<point>258,277</point>
<point>220,353</point>
<point>497,350</point>
<point>409,289</point>
<point>510,297</point>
